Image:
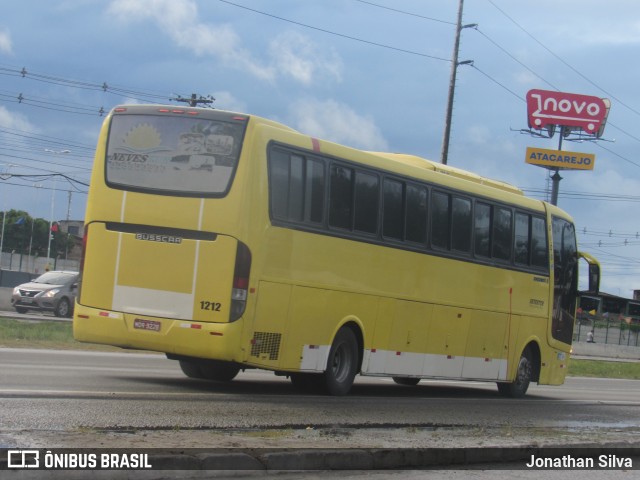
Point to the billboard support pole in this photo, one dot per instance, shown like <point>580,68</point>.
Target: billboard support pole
<point>555,187</point>
<point>555,179</point>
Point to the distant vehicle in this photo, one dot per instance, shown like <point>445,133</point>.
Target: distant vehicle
<point>51,292</point>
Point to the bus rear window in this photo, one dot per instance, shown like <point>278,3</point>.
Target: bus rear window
<point>175,155</point>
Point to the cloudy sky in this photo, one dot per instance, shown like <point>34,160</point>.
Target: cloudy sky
<point>368,74</point>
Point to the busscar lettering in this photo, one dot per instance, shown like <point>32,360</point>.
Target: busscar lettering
<point>150,237</point>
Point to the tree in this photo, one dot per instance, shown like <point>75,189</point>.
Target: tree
<point>27,235</point>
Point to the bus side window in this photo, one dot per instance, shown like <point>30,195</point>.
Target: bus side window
<point>539,249</point>
<point>367,195</point>
<point>341,197</point>
<point>482,233</point>
<point>461,225</point>
<point>279,179</point>
<point>521,239</point>
<point>314,191</point>
<point>440,220</point>
<point>501,246</point>
<point>393,215</point>
<point>416,223</point>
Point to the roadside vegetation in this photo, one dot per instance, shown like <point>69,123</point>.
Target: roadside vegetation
<point>47,334</point>
<point>59,335</point>
<point>604,369</point>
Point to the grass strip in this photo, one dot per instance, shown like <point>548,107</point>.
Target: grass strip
<point>604,369</point>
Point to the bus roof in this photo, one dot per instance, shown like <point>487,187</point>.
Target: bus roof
<point>416,161</point>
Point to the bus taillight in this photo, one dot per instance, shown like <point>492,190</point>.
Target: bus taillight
<point>240,282</point>
<point>85,237</point>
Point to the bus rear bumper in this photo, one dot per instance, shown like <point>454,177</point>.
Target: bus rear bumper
<point>218,341</point>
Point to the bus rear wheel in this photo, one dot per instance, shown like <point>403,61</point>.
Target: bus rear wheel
<point>191,369</point>
<point>518,388</point>
<point>219,371</point>
<point>210,370</point>
<point>342,364</point>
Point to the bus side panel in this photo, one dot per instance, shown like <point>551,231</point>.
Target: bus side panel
<point>315,317</point>
<point>294,326</point>
<point>407,340</point>
<point>99,268</point>
<point>448,341</point>
<point>486,350</point>
<point>265,333</point>
<point>310,326</point>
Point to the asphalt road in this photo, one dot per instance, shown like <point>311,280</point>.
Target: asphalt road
<point>54,398</point>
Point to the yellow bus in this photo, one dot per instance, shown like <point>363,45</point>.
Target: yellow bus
<point>228,241</point>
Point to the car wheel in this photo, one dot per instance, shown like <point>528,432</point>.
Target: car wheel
<point>22,310</point>
<point>63,309</point>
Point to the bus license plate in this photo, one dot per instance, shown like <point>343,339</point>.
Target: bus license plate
<point>141,324</point>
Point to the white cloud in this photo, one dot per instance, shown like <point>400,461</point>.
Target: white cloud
<point>336,122</point>
<point>291,55</point>
<point>295,55</point>
<point>226,101</point>
<point>5,42</point>
<point>17,121</point>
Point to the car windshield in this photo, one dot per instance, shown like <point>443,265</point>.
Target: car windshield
<point>55,278</point>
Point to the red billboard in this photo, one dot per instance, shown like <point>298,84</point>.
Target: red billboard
<point>545,108</point>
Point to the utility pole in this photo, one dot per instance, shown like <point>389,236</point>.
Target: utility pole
<point>555,178</point>
<point>194,101</point>
<point>452,82</point>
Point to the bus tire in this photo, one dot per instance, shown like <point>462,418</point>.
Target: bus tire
<point>191,369</point>
<point>407,381</point>
<point>219,371</point>
<point>342,364</point>
<point>518,388</point>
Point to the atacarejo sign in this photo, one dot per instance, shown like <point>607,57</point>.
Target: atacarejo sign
<point>560,159</point>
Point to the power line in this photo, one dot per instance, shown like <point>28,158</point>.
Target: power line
<point>342,35</point>
<point>408,13</point>
<point>473,65</point>
<point>56,80</point>
<point>602,197</point>
<point>564,62</point>
<point>512,57</point>
<point>42,187</point>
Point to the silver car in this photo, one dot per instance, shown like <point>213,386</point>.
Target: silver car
<point>51,292</point>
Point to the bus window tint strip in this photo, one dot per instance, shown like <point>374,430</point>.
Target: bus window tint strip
<point>334,197</point>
